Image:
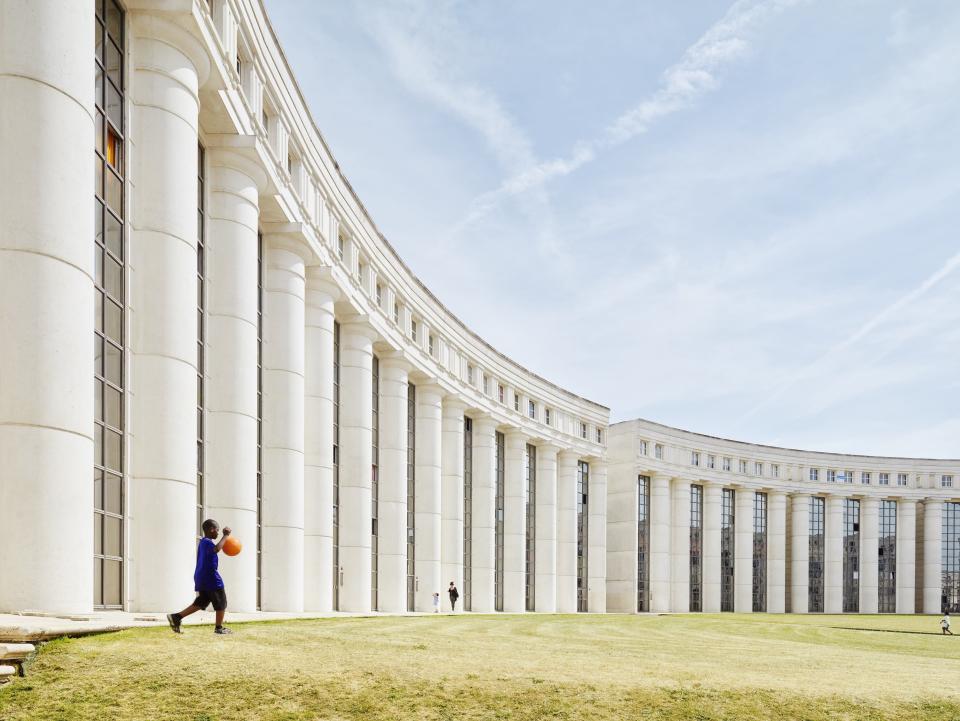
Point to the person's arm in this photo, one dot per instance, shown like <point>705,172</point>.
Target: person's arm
<point>226,532</point>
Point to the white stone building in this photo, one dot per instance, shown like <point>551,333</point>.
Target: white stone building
<point>261,355</point>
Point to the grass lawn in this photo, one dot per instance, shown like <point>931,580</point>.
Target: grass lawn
<point>511,667</point>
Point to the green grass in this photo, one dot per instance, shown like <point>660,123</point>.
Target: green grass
<point>512,667</point>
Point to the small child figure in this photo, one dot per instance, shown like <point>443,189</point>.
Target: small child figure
<point>206,579</point>
<point>945,624</point>
<point>436,602</point>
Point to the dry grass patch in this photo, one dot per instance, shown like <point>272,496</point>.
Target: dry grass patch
<point>509,667</point>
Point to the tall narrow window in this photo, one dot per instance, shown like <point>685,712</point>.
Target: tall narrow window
<point>260,418</point>
<point>201,341</point>
<point>696,548</point>
<point>531,510</point>
<point>109,352</point>
<point>583,533</point>
<point>336,465</point>
<point>375,485</point>
<point>727,550</point>
<point>887,558</point>
<point>498,528</point>
<point>950,559</point>
<point>467,514</point>
<point>817,546</point>
<point>643,543</point>
<point>411,496</point>
<point>851,555</point>
<point>759,552</point>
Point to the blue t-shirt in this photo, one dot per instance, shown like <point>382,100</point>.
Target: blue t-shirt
<point>206,578</point>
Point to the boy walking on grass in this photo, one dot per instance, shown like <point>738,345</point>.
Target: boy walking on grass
<point>945,624</point>
<point>206,580</point>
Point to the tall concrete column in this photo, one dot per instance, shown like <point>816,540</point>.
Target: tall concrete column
<point>356,462</point>
<point>392,541</point>
<point>906,555</point>
<point>743,551</point>
<point>170,66</point>
<point>451,493</point>
<point>776,551</point>
<point>660,543</point>
<point>833,572</point>
<point>712,509</point>
<point>230,474</point>
<point>318,442</point>
<point>869,554</point>
<point>484,510</point>
<point>680,547</point>
<point>47,306</point>
<point>514,522</point>
<point>429,435</point>
<point>622,536</point>
<point>567,532</point>
<point>284,354</point>
<point>546,531</point>
<point>800,553</point>
<point>932,548</point>
<point>597,541</point>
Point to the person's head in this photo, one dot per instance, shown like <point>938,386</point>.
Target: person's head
<point>211,529</point>
<point>451,584</point>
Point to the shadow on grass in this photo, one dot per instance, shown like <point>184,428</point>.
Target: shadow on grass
<point>887,630</point>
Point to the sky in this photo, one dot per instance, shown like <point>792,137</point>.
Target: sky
<point>737,218</point>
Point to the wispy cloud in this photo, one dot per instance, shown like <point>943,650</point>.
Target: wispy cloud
<point>694,75</point>
<point>814,368</point>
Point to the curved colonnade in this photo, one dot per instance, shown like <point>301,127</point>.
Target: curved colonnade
<point>698,523</point>
<point>264,357</point>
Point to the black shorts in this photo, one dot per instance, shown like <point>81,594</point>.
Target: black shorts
<point>217,597</point>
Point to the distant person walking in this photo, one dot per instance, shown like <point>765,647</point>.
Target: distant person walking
<point>436,602</point>
<point>454,595</point>
<point>945,624</point>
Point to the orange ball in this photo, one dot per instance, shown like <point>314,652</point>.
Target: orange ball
<point>232,546</point>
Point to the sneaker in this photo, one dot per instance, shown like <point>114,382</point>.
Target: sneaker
<point>174,621</point>
<point>222,630</point>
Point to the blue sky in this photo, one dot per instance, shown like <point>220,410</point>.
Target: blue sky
<point>739,218</point>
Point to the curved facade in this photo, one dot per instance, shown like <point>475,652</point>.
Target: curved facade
<point>698,523</point>
<point>261,355</point>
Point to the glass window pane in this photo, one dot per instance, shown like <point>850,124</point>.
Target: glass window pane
<point>112,536</point>
<point>114,21</point>
<point>114,64</point>
<point>113,493</point>
<point>98,401</point>
<point>98,175</point>
<point>113,364</point>
<point>114,235</point>
<point>98,88</point>
<point>114,196</point>
<point>113,321</point>
<point>97,581</point>
<point>97,488</point>
<point>98,265</point>
<point>113,277</point>
<point>98,220</point>
<point>111,583</point>
<point>99,132</point>
<point>112,450</point>
<point>112,404</point>
<point>114,106</point>
<point>97,354</point>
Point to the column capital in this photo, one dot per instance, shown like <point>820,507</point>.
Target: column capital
<point>660,477</point>
<point>453,403</point>
<point>396,360</point>
<point>235,152</point>
<point>430,388</point>
<point>485,424</point>
<point>320,280</point>
<point>359,325</point>
<point>289,238</point>
<point>549,449</point>
<point>153,26</point>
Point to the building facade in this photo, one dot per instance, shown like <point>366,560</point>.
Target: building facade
<point>262,356</point>
<point>697,523</point>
